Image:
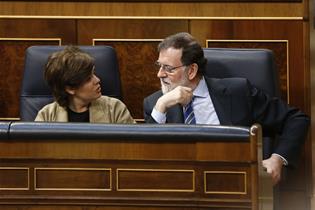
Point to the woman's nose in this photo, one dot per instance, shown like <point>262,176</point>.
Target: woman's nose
<point>96,79</point>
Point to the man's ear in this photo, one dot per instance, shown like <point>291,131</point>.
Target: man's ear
<point>70,90</point>
<point>193,70</point>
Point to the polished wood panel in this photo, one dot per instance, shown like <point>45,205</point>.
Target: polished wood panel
<point>170,9</point>
<point>92,179</point>
<point>14,178</point>
<point>12,53</point>
<point>128,29</point>
<point>15,36</point>
<point>158,180</point>
<point>215,182</point>
<point>90,1</point>
<point>39,28</point>
<point>231,152</point>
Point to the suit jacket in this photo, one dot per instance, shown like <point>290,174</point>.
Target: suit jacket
<point>238,103</point>
<point>102,110</point>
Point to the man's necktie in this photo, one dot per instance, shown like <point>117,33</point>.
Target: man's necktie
<point>189,115</point>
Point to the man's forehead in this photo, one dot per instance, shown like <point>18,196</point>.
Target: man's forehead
<point>172,49</point>
<point>171,53</point>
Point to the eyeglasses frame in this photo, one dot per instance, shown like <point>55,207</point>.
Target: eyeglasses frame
<point>167,68</point>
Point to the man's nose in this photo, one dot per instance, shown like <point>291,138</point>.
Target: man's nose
<point>161,73</point>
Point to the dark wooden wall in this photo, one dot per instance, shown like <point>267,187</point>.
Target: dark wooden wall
<point>135,29</point>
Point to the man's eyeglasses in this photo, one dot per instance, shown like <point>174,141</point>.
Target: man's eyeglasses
<point>167,68</point>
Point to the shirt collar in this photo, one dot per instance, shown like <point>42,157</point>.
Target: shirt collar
<point>201,90</point>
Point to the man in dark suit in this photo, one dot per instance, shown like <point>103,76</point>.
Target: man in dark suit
<point>230,101</point>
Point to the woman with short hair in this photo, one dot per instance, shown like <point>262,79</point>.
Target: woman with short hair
<point>70,74</point>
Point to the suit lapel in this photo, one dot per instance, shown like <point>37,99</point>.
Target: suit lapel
<point>221,101</point>
<point>175,115</point>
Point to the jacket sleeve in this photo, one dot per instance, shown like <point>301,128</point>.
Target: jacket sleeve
<point>287,124</point>
<point>147,110</point>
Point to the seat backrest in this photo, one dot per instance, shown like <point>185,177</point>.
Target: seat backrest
<point>257,65</point>
<point>35,93</point>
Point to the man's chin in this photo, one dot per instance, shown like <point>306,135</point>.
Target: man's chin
<point>165,89</point>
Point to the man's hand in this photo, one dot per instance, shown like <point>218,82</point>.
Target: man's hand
<point>180,95</point>
<point>273,166</point>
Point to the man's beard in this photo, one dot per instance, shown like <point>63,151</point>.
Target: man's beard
<point>171,86</point>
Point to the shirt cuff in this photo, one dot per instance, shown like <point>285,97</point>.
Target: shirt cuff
<point>285,162</point>
<point>158,116</point>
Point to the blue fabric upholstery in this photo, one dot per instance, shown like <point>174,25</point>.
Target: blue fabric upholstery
<point>257,65</point>
<point>35,93</point>
<point>149,132</point>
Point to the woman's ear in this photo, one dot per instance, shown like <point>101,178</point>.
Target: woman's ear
<point>193,70</point>
<point>70,90</point>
